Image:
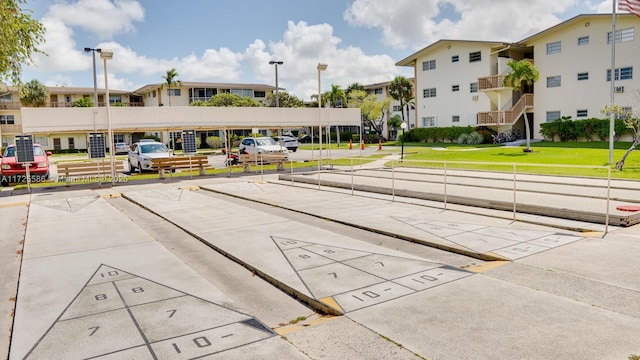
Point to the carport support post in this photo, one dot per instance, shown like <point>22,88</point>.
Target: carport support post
<point>514,191</point>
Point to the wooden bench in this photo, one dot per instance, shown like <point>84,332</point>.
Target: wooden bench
<point>193,162</point>
<point>257,159</point>
<point>100,171</point>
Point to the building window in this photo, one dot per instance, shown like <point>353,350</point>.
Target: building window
<point>554,81</point>
<point>429,93</point>
<point>259,94</point>
<point>583,76</point>
<point>6,98</point>
<point>429,121</point>
<point>7,120</point>
<point>583,40</point>
<point>154,94</point>
<point>625,113</point>
<point>554,48</point>
<point>625,73</point>
<point>67,99</point>
<point>455,119</point>
<point>455,87</point>
<point>475,56</point>
<point>377,91</point>
<point>173,92</point>
<point>582,113</point>
<point>428,65</point>
<point>242,92</point>
<point>455,58</point>
<point>42,140</point>
<point>623,35</point>
<point>396,108</point>
<point>118,138</point>
<point>115,99</point>
<point>553,116</point>
<point>473,87</point>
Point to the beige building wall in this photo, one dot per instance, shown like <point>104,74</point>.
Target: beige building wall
<point>447,73</point>
<point>593,58</point>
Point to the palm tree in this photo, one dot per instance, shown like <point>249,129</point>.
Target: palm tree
<point>170,81</point>
<point>401,90</point>
<point>336,95</point>
<point>523,71</point>
<point>34,93</point>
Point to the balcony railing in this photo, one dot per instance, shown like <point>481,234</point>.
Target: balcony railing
<point>8,105</point>
<point>64,104</point>
<point>490,82</point>
<point>10,129</point>
<point>505,117</point>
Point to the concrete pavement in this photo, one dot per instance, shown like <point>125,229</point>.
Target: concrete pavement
<point>199,268</point>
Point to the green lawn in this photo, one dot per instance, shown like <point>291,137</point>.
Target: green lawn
<point>543,159</point>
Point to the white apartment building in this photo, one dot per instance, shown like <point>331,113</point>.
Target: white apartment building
<point>459,82</point>
<point>381,90</point>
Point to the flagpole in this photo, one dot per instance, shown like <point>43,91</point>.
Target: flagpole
<point>612,115</point>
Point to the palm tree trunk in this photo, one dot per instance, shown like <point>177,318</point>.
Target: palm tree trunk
<point>526,126</point>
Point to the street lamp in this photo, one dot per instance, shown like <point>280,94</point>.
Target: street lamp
<point>403,126</point>
<point>108,55</point>
<point>95,85</point>
<point>321,67</point>
<point>276,63</point>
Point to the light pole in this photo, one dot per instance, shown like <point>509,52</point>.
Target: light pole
<point>108,55</point>
<point>276,63</point>
<point>95,85</point>
<point>321,67</point>
<point>403,126</point>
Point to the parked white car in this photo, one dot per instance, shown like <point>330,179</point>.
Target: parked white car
<point>141,153</point>
<point>262,145</point>
<point>289,142</point>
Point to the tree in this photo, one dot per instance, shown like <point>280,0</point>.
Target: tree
<point>354,86</point>
<point>630,122</point>
<point>372,110</point>
<point>170,81</point>
<point>336,96</point>
<point>34,94</point>
<point>401,90</point>
<point>522,71</point>
<point>83,102</point>
<point>19,40</point>
<point>228,100</point>
<point>284,100</point>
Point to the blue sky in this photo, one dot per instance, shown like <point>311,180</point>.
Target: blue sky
<point>233,41</point>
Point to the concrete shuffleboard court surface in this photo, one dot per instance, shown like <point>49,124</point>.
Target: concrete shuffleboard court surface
<point>333,273</point>
<point>105,289</point>
<point>471,235</point>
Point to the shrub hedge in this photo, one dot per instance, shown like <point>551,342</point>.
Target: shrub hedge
<point>566,129</point>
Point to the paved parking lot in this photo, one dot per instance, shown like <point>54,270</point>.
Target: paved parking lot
<point>243,268</point>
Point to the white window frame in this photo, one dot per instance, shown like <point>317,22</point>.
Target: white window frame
<point>622,35</point>
<point>429,93</point>
<point>554,47</point>
<point>429,121</point>
<point>551,115</point>
<point>429,65</point>
<point>554,81</point>
<point>583,76</point>
<point>582,113</point>
<point>583,40</point>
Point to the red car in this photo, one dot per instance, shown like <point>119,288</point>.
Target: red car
<point>13,172</point>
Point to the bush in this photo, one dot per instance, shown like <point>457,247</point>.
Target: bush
<point>214,142</point>
<point>475,138</point>
<point>567,129</point>
<point>462,139</point>
<point>437,134</point>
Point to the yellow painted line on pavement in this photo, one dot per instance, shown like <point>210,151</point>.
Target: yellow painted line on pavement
<point>288,329</point>
<point>592,234</point>
<point>111,195</point>
<point>332,303</point>
<point>191,188</point>
<point>22,203</point>
<point>487,266</point>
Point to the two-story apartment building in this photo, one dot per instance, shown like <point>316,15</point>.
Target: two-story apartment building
<point>459,82</point>
<point>381,90</point>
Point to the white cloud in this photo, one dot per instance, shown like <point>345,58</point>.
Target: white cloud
<point>102,17</point>
<point>416,24</point>
<point>302,47</point>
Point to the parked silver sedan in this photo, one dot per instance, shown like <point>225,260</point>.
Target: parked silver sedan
<point>289,142</point>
